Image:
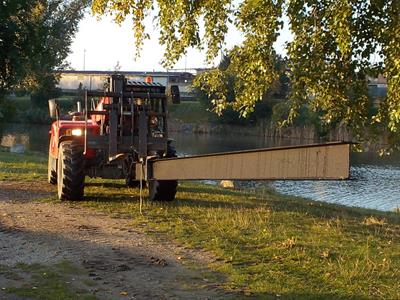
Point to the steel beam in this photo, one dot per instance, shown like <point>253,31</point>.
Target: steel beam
<point>317,161</point>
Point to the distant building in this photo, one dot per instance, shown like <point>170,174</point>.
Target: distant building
<point>94,80</point>
<point>377,88</point>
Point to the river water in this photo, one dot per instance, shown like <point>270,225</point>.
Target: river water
<point>374,180</point>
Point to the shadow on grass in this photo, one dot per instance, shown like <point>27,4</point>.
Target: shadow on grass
<point>278,202</point>
<point>208,189</point>
<point>121,198</point>
<point>307,208</point>
<point>110,198</point>
<point>219,198</point>
<point>116,185</point>
<point>305,296</point>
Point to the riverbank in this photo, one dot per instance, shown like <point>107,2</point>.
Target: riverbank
<point>374,178</point>
<point>191,117</point>
<point>187,117</point>
<point>259,245</point>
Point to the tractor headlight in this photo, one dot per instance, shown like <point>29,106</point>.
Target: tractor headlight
<point>76,132</point>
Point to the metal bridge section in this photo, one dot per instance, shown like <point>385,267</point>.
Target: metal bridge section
<point>310,162</point>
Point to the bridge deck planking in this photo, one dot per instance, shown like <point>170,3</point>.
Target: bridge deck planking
<point>310,162</point>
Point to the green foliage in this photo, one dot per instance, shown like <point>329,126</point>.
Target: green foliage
<point>24,110</point>
<point>35,38</point>
<point>330,56</point>
<point>46,90</point>
<point>189,112</point>
<point>280,112</point>
<point>34,115</point>
<point>7,110</point>
<point>261,110</point>
<point>305,116</point>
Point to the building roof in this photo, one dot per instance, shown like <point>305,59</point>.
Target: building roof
<point>128,73</point>
<point>379,80</point>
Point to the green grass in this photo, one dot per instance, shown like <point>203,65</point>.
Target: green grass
<point>9,273</point>
<point>49,282</point>
<point>22,103</point>
<point>273,244</point>
<point>266,244</point>
<point>27,167</point>
<point>189,112</point>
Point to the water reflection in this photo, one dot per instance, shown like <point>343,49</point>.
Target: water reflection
<point>371,187</point>
<point>374,184</point>
<point>374,180</point>
<point>187,144</point>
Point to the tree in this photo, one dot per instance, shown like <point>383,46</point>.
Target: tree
<point>35,38</point>
<point>262,109</point>
<point>329,57</point>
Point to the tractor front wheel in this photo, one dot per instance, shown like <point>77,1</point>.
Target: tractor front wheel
<point>51,170</point>
<point>70,171</point>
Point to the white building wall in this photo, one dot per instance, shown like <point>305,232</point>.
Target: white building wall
<point>70,81</point>
<point>93,81</point>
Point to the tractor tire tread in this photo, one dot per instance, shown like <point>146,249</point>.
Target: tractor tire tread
<point>51,172</point>
<point>73,179</point>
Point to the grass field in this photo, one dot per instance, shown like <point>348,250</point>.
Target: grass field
<point>264,244</point>
<point>189,112</point>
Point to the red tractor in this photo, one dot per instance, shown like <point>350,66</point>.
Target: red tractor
<point>115,135</point>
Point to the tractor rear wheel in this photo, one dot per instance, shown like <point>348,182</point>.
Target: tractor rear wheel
<point>52,170</point>
<point>70,171</point>
<point>134,183</point>
<point>163,190</point>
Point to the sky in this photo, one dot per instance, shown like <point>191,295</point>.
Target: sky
<point>102,44</point>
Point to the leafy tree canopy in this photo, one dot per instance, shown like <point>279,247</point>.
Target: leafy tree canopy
<point>35,38</point>
<point>329,57</point>
<point>262,109</point>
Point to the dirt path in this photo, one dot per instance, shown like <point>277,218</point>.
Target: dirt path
<point>123,263</point>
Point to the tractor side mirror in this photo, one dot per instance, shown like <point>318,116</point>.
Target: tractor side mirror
<point>174,94</point>
<point>54,109</point>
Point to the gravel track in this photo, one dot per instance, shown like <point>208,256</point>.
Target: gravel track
<point>125,263</point>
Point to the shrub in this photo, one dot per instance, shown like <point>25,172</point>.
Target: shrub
<point>34,115</point>
<point>7,110</point>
